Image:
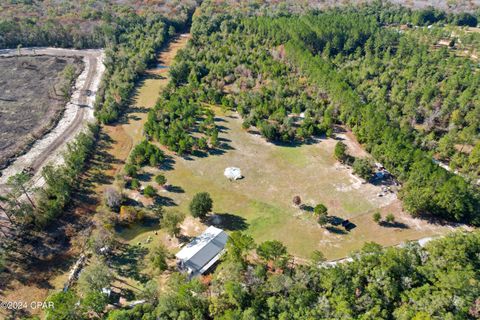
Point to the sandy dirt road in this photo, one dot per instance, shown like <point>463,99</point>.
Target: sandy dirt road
<point>78,112</point>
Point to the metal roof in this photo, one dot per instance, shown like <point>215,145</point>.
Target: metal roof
<point>203,251</point>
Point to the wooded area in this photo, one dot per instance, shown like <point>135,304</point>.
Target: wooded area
<point>294,77</point>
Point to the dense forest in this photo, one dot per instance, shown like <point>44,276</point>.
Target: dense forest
<point>293,77</point>
<point>439,281</point>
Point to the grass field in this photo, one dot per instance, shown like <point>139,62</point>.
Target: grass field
<point>261,203</point>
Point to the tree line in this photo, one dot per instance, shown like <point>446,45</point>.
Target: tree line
<point>428,188</point>
<point>291,77</point>
<point>437,281</point>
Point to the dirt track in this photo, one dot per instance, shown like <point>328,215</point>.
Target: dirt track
<point>78,112</point>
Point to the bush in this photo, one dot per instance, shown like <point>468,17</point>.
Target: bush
<point>341,151</point>
<point>94,277</point>
<point>271,250</point>
<point>390,218</point>
<point>134,184</point>
<point>65,306</point>
<point>297,200</point>
<point>131,170</point>
<point>160,179</point>
<point>149,191</point>
<point>320,209</point>
<point>146,153</point>
<point>377,217</point>
<point>129,215</point>
<point>363,167</point>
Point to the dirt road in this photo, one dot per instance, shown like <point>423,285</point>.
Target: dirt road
<point>78,112</point>
<point>118,140</point>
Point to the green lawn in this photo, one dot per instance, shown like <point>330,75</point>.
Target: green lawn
<point>261,203</point>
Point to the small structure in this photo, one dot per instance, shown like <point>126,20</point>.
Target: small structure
<point>233,173</point>
<point>202,253</point>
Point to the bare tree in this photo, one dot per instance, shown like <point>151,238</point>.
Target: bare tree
<point>297,201</point>
<point>113,198</point>
<point>2,208</point>
<point>19,185</point>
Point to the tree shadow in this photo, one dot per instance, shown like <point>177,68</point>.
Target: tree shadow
<point>226,146</point>
<point>164,201</point>
<point>144,176</point>
<point>184,238</point>
<point>126,261</point>
<point>288,144</point>
<point>350,226</point>
<point>199,154</point>
<point>334,220</point>
<point>228,221</point>
<point>155,76</point>
<point>395,224</point>
<point>175,189</point>
<point>336,230</point>
<point>134,117</point>
<point>222,128</point>
<point>306,207</point>
<point>127,114</point>
<point>216,152</point>
<point>132,202</point>
<point>167,164</point>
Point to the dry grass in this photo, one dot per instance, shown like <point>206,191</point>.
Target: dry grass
<point>119,140</point>
<point>30,100</point>
<point>261,203</point>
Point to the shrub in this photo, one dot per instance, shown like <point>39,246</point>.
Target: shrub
<point>149,191</point>
<point>320,209</point>
<point>390,218</point>
<point>363,167</point>
<point>160,179</point>
<point>377,217</point>
<point>129,215</point>
<point>134,184</point>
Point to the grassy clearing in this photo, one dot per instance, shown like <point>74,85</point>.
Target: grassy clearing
<point>261,203</point>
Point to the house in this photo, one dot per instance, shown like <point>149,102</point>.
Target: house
<point>202,252</point>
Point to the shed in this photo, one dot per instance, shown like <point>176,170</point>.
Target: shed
<point>202,252</point>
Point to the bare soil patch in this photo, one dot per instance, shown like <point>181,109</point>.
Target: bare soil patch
<point>31,102</point>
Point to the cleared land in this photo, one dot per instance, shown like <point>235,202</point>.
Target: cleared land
<point>31,101</point>
<point>114,147</point>
<point>78,112</point>
<point>261,203</point>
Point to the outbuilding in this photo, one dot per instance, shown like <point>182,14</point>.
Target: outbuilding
<point>202,252</point>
